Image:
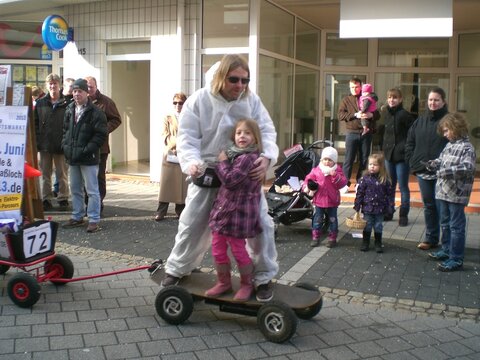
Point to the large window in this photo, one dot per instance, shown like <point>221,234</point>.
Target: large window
<point>276,30</point>
<point>275,87</point>
<point>225,23</point>
<point>307,43</point>
<point>413,52</point>
<point>306,105</point>
<point>346,52</point>
<point>469,50</point>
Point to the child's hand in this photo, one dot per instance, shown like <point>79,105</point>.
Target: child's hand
<point>222,156</point>
<point>333,172</point>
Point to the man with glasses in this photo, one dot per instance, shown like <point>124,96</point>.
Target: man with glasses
<point>205,128</point>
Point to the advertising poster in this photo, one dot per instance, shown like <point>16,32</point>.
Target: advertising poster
<point>4,83</point>
<point>13,129</point>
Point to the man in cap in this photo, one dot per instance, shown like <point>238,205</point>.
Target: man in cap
<point>84,132</point>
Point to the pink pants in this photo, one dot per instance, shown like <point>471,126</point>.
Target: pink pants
<point>237,246</point>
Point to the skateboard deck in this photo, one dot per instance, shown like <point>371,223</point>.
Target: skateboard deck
<point>296,297</point>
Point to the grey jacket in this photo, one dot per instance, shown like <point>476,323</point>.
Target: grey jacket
<point>455,169</point>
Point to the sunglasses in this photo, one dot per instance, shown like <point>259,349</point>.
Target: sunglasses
<point>178,103</point>
<point>236,79</point>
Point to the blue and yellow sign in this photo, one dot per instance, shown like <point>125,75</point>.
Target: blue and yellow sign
<point>55,32</point>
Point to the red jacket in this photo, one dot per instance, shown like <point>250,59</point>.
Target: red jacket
<point>328,193</point>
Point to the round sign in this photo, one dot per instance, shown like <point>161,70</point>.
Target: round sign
<point>55,32</point>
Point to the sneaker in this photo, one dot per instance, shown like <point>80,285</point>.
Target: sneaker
<point>170,280</point>
<point>426,246</point>
<point>93,227</point>
<point>264,292</point>
<point>331,243</point>
<point>47,205</point>
<point>439,255</point>
<point>314,242</point>
<point>450,265</point>
<point>73,223</point>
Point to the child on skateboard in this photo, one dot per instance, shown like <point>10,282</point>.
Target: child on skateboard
<point>375,199</point>
<point>324,183</point>
<point>235,212</point>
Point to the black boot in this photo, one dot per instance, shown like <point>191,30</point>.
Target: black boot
<point>378,243</point>
<point>403,217</point>
<point>366,241</point>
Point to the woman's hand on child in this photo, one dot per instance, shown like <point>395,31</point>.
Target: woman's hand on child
<point>260,170</point>
<point>222,156</point>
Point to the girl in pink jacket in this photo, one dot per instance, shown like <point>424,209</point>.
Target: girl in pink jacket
<point>324,183</point>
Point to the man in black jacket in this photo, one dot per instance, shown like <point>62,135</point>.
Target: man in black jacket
<point>84,132</point>
<point>49,114</point>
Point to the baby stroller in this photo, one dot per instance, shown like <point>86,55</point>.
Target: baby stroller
<point>286,205</point>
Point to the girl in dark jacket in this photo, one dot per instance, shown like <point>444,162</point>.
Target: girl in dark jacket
<point>374,198</point>
<point>397,122</point>
<point>423,144</point>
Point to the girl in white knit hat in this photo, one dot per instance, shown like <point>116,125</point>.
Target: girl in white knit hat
<point>324,183</point>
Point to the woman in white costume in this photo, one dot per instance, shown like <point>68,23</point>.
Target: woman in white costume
<point>206,123</point>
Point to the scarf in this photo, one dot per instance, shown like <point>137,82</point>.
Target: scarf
<point>233,151</point>
<point>326,170</point>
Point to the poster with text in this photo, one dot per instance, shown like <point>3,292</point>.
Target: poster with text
<point>13,129</point>
<point>5,79</point>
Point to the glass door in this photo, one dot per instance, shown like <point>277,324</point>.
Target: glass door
<point>336,88</point>
<point>468,93</point>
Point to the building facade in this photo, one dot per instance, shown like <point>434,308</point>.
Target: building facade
<point>142,52</point>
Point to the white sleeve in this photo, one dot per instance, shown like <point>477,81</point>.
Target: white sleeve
<point>267,130</point>
<point>189,135</point>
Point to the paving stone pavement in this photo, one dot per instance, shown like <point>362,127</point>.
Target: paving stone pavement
<point>394,305</point>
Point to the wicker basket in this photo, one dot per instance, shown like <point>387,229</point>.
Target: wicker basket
<point>355,222</point>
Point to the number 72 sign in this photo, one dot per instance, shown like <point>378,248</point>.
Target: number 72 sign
<point>37,240</point>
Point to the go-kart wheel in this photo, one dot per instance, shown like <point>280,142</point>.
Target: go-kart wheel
<point>174,304</point>
<point>276,321</point>
<point>4,269</point>
<point>23,289</point>
<point>310,311</point>
<point>60,267</point>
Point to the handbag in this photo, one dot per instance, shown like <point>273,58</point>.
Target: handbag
<point>209,179</point>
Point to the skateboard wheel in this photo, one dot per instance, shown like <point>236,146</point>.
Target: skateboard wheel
<point>174,304</point>
<point>24,290</point>
<point>310,311</point>
<point>276,321</point>
<point>4,269</point>
<point>60,267</point>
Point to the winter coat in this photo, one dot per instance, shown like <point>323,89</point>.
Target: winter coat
<point>368,103</point>
<point>82,140</point>
<point>423,141</point>
<point>49,124</point>
<point>173,187</point>
<point>374,197</point>
<point>327,194</point>
<point>201,138</point>
<point>346,112</point>
<point>455,169</point>
<point>235,211</point>
<point>397,122</point>
<point>111,112</point>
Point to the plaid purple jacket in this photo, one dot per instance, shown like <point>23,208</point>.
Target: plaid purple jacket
<point>235,211</point>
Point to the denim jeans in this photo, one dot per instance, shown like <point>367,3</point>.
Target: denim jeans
<point>317,221</point>
<point>431,210</point>
<point>453,224</point>
<point>356,143</point>
<point>399,172</point>
<point>85,177</point>
<point>374,221</point>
